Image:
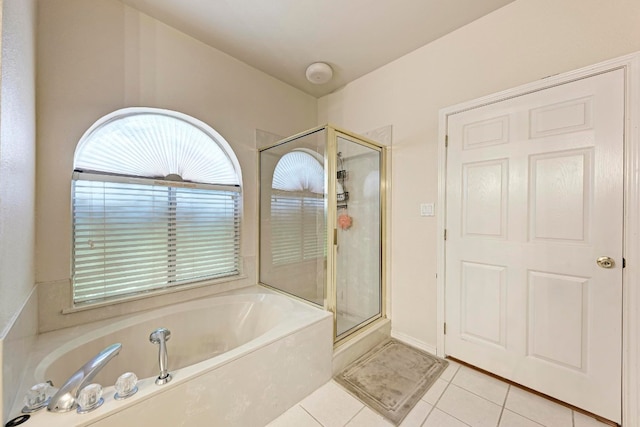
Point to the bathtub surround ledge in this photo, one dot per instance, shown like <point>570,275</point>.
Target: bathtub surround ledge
<point>58,313</point>
<point>16,343</point>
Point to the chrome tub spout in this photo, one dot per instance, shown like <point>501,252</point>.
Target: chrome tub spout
<point>65,399</point>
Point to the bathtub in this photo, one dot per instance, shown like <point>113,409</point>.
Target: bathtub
<point>237,359</point>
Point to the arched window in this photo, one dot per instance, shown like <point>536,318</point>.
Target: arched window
<point>297,208</point>
<point>156,203</point>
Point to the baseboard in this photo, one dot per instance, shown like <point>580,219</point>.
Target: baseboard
<point>413,342</point>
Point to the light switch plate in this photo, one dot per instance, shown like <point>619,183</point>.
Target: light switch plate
<point>427,209</point>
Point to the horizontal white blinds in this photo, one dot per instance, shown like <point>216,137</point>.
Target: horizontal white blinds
<point>297,228</point>
<point>135,235</point>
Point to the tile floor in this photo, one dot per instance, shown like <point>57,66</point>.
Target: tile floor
<point>460,397</point>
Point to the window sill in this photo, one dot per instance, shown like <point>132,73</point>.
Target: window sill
<point>152,294</point>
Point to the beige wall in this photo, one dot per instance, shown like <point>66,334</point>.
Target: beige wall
<point>17,157</point>
<point>522,42</point>
<point>17,189</point>
<point>97,56</point>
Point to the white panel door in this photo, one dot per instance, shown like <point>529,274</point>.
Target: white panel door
<point>534,198</point>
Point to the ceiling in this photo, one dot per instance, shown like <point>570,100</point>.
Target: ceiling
<point>282,37</point>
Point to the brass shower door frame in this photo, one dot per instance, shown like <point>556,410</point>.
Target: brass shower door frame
<point>330,182</point>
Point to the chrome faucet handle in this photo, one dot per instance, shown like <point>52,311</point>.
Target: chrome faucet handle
<point>90,398</point>
<point>126,386</point>
<point>38,397</point>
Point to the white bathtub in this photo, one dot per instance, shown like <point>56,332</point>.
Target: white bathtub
<point>237,359</point>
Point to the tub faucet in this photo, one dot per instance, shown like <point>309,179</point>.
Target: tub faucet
<point>161,336</point>
<point>65,398</point>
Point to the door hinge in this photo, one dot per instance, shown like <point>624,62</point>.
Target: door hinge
<point>446,141</point>
<point>624,263</point>
<point>445,234</point>
<point>445,328</point>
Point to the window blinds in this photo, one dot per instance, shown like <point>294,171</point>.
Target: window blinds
<point>133,235</point>
<point>298,232</point>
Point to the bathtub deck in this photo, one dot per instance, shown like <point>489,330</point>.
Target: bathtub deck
<point>249,385</point>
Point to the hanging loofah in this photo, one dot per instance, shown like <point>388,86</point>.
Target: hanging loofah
<point>345,221</point>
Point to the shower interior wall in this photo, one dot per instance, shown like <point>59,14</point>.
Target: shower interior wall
<point>357,283</point>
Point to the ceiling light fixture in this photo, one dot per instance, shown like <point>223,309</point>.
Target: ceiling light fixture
<point>319,73</point>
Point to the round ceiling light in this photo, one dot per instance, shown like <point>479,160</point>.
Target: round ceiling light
<point>319,73</point>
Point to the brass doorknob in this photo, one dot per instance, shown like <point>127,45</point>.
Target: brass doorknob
<point>605,262</point>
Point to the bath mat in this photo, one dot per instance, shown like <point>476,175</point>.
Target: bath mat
<point>392,378</point>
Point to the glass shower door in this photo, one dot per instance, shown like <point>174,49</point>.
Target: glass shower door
<point>293,217</point>
<point>359,234</point>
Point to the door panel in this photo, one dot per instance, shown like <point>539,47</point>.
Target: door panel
<point>534,197</point>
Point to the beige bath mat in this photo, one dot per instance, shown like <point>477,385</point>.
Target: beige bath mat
<point>392,378</point>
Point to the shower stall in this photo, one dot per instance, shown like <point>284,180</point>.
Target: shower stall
<point>322,196</point>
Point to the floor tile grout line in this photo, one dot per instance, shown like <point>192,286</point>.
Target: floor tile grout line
<point>525,417</point>
<point>433,407</point>
<point>425,418</point>
<point>449,383</point>
<point>355,415</point>
<point>475,394</point>
<point>483,397</point>
<point>462,388</point>
<point>506,396</point>
<point>543,398</point>
<point>524,388</point>
<point>504,402</point>
<point>442,394</point>
<point>480,396</point>
<point>455,373</point>
<point>364,405</point>
<point>454,417</point>
<point>311,415</point>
